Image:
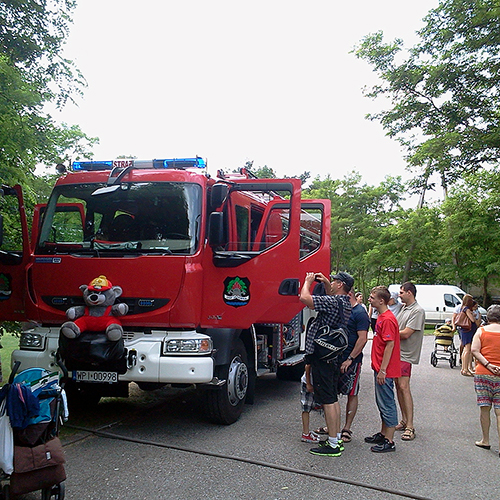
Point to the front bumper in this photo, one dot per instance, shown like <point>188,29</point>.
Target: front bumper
<point>149,365</point>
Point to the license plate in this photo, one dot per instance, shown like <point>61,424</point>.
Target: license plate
<point>88,376</point>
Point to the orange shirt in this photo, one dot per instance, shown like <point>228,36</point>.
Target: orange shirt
<point>490,349</point>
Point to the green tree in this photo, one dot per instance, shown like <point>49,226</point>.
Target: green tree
<point>33,74</point>
<point>359,215</point>
<point>444,93</point>
<point>472,252</point>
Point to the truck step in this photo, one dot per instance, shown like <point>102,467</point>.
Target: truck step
<point>292,360</point>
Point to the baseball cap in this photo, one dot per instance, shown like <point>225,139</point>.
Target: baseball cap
<point>346,278</point>
<point>395,296</point>
<point>100,284</point>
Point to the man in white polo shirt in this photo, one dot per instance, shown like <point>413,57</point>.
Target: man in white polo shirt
<point>411,320</point>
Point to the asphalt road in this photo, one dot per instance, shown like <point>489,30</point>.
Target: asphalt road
<point>180,456</point>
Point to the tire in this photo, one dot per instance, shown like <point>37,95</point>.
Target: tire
<point>6,492</point>
<point>291,373</point>
<point>453,361</point>
<point>57,492</point>
<point>224,404</point>
<point>434,360</point>
<point>79,399</point>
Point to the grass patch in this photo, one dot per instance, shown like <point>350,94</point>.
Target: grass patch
<point>9,343</point>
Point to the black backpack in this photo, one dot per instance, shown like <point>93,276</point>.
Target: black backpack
<point>330,343</point>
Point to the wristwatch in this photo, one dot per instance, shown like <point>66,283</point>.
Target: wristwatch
<point>350,357</point>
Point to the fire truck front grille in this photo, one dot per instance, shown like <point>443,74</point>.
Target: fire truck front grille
<point>128,336</point>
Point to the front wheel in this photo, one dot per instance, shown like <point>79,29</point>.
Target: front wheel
<point>57,492</point>
<point>224,404</point>
<point>6,492</point>
<point>453,361</point>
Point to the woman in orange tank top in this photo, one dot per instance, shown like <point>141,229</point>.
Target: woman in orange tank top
<point>486,350</point>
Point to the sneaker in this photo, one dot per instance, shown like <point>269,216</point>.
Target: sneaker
<point>326,450</point>
<point>384,447</point>
<point>310,437</point>
<point>376,438</point>
<point>341,444</point>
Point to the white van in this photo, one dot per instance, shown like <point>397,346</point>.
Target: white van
<point>439,301</point>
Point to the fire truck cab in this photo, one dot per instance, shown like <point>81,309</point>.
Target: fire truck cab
<point>210,270</point>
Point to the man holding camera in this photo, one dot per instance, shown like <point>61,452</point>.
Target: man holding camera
<point>334,310</point>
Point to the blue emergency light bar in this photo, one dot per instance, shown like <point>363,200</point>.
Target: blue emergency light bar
<point>173,163</point>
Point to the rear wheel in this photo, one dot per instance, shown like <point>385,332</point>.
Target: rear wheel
<point>224,404</point>
<point>434,359</point>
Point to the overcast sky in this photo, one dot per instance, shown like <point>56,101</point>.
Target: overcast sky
<point>270,81</point>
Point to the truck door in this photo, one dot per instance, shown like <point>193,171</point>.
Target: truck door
<point>15,254</point>
<point>261,254</point>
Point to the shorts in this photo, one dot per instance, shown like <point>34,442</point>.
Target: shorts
<point>349,381</point>
<point>386,403</point>
<point>306,398</point>
<point>487,390</point>
<point>405,369</point>
<point>325,380</point>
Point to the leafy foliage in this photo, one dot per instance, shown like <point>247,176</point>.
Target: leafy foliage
<point>32,74</point>
<point>445,91</point>
<point>360,217</point>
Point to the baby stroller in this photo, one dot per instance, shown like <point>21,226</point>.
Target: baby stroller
<point>35,404</point>
<point>444,347</point>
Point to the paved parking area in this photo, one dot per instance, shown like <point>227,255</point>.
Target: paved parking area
<point>261,456</point>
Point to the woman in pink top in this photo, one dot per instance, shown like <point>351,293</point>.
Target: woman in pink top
<point>486,350</point>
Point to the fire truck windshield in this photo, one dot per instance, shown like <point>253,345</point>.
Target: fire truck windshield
<point>146,217</point>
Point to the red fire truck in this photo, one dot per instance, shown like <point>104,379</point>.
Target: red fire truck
<point>210,269</point>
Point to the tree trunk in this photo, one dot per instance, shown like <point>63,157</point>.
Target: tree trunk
<point>409,261</point>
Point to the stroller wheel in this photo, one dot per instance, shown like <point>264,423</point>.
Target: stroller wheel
<point>434,359</point>
<point>5,493</point>
<point>453,361</point>
<point>56,492</point>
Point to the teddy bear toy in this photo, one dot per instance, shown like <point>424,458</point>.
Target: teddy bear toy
<point>99,313</point>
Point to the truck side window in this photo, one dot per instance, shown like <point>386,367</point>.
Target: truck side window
<point>242,227</point>
<point>450,300</point>
<point>310,230</point>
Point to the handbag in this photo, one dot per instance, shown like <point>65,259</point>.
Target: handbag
<point>6,440</point>
<point>463,321</point>
<point>330,343</point>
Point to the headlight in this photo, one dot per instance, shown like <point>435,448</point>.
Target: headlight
<point>30,340</point>
<point>187,346</point>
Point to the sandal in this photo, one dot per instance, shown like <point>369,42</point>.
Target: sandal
<point>322,430</point>
<point>346,435</point>
<point>408,434</point>
<point>401,426</point>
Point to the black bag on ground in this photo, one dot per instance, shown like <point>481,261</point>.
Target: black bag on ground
<point>330,343</point>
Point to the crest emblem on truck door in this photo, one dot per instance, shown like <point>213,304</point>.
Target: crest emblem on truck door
<point>236,291</point>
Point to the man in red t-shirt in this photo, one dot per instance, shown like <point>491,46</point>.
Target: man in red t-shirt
<point>386,366</point>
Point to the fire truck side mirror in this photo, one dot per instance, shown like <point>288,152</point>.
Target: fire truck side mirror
<point>216,233</point>
<point>218,195</point>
